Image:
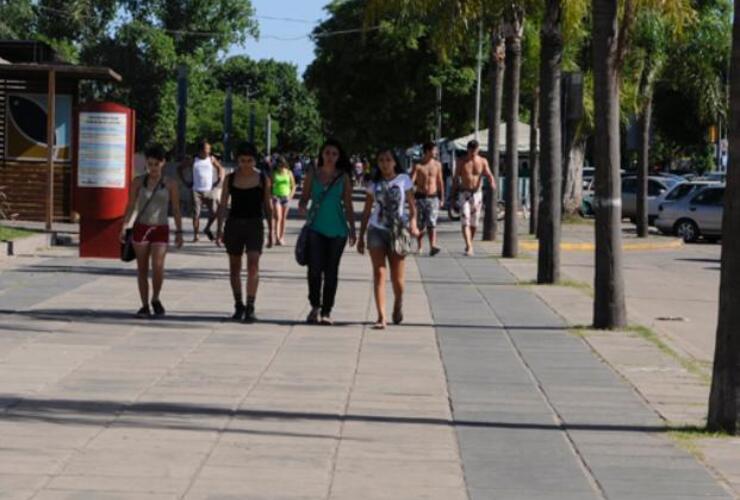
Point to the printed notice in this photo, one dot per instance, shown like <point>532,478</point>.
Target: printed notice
<point>102,151</point>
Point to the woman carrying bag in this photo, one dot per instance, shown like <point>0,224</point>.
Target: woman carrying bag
<point>330,225</point>
<point>389,229</point>
<point>152,195</point>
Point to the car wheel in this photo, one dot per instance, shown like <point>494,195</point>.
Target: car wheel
<point>687,230</point>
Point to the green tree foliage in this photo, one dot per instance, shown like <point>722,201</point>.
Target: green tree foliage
<point>380,89</point>
<point>279,91</point>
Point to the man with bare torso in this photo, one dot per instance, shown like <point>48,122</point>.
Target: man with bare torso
<point>467,185</point>
<point>429,195</point>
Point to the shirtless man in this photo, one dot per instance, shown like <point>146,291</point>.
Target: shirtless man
<point>430,195</point>
<point>466,184</point>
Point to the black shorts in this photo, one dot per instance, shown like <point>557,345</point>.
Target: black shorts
<point>244,235</point>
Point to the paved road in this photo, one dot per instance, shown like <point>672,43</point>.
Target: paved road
<point>482,394</point>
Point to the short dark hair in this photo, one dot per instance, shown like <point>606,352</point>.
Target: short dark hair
<point>202,144</point>
<point>156,152</point>
<point>247,149</point>
<point>473,145</point>
<point>428,146</point>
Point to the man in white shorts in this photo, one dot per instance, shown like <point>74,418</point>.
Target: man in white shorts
<point>204,185</point>
<point>467,183</point>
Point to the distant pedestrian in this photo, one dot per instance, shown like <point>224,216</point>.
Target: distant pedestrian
<point>467,184</point>
<point>329,189</point>
<point>387,196</point>
<point>249,190</point>
<point>429,195</point>
<point>283,190</point>
<point>204,185</point>
<point>152,195</point>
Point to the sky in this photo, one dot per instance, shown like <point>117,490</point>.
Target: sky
<point>297,18</point>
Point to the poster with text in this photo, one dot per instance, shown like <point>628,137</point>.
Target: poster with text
<point>102,151</point>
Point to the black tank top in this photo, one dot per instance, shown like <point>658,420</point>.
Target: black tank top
<point>247,203</point>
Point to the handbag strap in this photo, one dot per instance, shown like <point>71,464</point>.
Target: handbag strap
<point>315,206</point>
<point>146,205</point>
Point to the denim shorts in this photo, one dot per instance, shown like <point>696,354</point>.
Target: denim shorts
<point>378,238</point>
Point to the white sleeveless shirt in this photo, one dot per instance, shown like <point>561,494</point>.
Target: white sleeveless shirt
<point>202,174</point>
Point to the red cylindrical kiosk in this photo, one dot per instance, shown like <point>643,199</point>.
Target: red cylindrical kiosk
<point>103,160</point>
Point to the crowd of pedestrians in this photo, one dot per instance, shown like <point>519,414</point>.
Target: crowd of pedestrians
<point>399,209</point>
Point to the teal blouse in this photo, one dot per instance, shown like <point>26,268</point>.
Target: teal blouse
<point>329,220</point>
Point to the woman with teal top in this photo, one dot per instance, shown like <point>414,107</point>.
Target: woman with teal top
<point>283,190</point>
<point>329,188</point>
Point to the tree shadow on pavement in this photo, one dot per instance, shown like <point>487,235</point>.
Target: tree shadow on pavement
<point>176,416</point>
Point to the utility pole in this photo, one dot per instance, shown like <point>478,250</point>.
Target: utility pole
<point>228,123</point>
<point>182,109</point>
<point>269,135</point>
<point>439,114</point>
<point>478,84</point>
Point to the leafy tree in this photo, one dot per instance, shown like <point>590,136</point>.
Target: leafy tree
<point>381,88</point>
<point>276,85</point>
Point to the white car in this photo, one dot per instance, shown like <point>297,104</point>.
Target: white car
<point>693,216</point>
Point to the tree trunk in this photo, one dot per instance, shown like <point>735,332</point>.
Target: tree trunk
<point>496,76</point>
<point>644,151</point>
<point>609,304</point>
<point>548,258</point>
<point>573,174</point>
<point>723,410</point>
<point>512,82</point>
<point>534,164</point>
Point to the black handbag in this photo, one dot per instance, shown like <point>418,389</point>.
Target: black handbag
<point>127,246</point>
<point>301,244</point>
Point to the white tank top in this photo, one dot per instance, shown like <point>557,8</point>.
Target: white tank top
<point>202,174</point>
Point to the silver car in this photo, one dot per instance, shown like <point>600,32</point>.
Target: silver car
<point>657,187</point>
<point>699,214</point>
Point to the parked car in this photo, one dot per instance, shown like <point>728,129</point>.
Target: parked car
<point>657,186</point>
<point>694,216</point>
<point>716,176</point>
<point>588,177</point>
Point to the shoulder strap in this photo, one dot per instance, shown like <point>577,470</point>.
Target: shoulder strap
<point>322,196</point>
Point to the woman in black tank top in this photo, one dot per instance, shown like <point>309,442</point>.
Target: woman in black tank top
<point>249,190</point>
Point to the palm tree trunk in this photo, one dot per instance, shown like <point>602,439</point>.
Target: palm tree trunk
<point>534,165</point>
<point>609,304</point>
<point>512,82</point>
<point>496,76</point>
<point>723,410</point>
<point>548,259</point>
<point>643,219</point>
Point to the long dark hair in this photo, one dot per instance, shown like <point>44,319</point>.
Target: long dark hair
<point>377,174</point>
<point>343,163</point>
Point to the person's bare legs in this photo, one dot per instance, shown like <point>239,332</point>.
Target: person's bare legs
<point>398,280</point>
<point>253,273</point>
<point>466,236</point>
<point>283,221</point>
<point>420,241</point>
<point>378,257</point>
<point>158,254</point>
<point>235,271</point>
<point>276,208</point>
<point>142,271</point>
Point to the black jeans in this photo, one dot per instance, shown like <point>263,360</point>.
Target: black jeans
<point>324,254</point>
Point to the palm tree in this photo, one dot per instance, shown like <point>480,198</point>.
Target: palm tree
<point>723,409</point>
<point>513,32</point>
<point>496,76</point>
<point>611,42</point>
<point>548,259</point>
<point>534,164</point>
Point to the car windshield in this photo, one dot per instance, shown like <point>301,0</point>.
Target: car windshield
<point>671,181</point>
<point>679,192</point>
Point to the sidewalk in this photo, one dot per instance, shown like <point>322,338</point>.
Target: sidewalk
<point>482,394</point>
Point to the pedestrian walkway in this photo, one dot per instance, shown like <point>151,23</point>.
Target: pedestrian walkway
<point>482,394</point>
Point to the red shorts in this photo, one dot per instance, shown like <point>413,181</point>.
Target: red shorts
<point>155,235</point>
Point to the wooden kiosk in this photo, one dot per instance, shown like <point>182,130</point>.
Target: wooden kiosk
<point>39,94</point>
